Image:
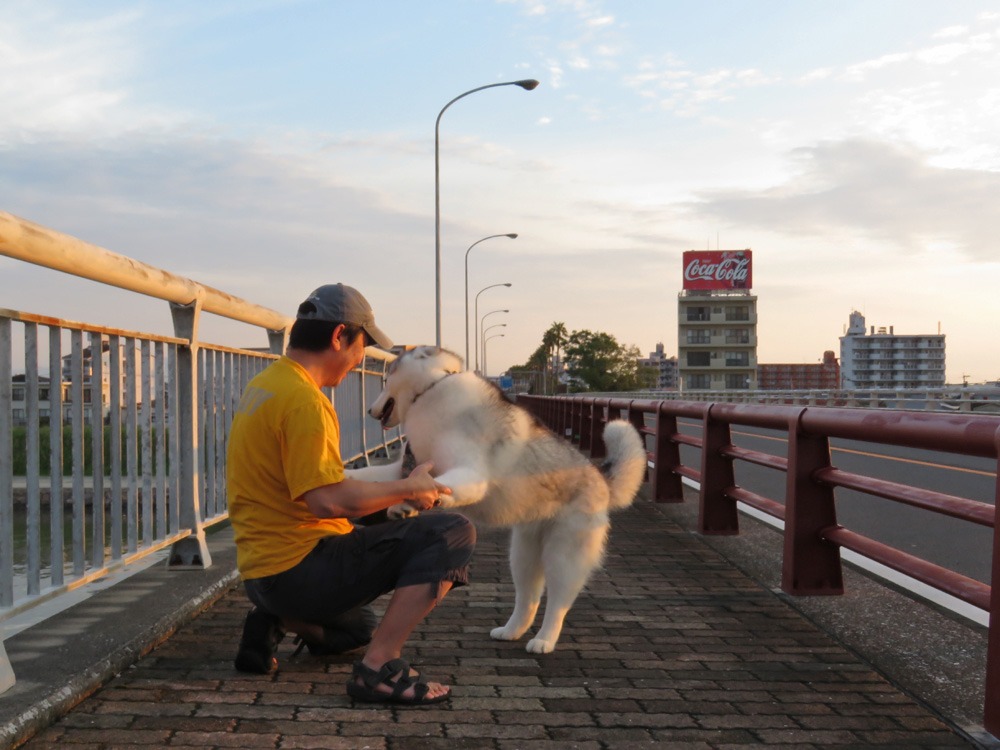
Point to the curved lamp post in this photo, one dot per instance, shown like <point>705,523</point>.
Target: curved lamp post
<point>513,236</point>
<point>481,323</point>
<point>476,319</point>
<point>483,338</point>
<point>494,336</point>
<point>527,85</point>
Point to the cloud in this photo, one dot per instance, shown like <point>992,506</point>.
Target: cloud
<point>874,189</point>
<point>686,92</point>
<point>260,226</point>
<point>962,42</point>
<point>63,76</point>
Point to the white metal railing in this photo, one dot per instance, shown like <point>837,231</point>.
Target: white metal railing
<point>119,436</point>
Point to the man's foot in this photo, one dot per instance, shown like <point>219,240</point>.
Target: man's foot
<point>261,636</point>
<point>395,682</point>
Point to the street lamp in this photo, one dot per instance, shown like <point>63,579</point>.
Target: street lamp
<point>527,85</point>
<point>494,336</point>
<point>482,338</point>
<point>513,236</point>
<point>476,320</point>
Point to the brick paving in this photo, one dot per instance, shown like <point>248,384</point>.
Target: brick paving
<point>669,646</point>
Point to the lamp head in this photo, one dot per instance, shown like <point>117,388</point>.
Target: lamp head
<point>527,84</point>
<point>513,235</point>
<point>507,284</point>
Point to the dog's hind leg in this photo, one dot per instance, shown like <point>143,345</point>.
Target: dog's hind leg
<point>526,571</point>
<point>571,552</point>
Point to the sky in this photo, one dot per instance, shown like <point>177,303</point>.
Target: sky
<point>266,147</point>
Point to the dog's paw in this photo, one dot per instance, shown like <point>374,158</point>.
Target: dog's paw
<point>539,646</point>
<point>504,634</point>
<point>399,511</point>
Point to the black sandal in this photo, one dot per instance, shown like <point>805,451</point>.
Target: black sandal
<point>261,635</point>
<point>371,679</point>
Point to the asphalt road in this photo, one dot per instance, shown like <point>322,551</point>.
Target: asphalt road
<point>958,545</point>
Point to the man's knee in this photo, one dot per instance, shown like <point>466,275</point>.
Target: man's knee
<point>462,532</point>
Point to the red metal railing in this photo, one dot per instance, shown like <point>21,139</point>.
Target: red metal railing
<point>811,562</point>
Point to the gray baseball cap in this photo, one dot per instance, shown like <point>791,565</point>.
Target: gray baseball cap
<point>339,303</point>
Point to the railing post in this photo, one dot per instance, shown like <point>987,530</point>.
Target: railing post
<point>277,340</point>
<point>601,417</point>
<point>810,565</point>
<point>667,486</point>
<point>191,552</point>
<point>6,492</point>
<point>991,711</point>
<point>716,513</point>
<point>596,442</point>
<point>586,424</point>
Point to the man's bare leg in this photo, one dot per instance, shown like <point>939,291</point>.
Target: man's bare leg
<point>407,608</point>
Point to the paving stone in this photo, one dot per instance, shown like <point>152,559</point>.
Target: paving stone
<point>668,647</point>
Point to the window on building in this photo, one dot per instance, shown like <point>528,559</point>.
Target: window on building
<point>737,382</point>
<point>17,393</point>
<point>740,312</point>
<point>699,382</point>
<point>698,314</point>
<point>698,359</point>
<point>737,336</point>
<point>737,359</point>
<point>699,337</point>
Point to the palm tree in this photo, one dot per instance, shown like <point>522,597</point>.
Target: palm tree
<point>554,338</point>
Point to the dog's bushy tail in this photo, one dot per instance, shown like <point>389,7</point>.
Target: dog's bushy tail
<point>625,466</point>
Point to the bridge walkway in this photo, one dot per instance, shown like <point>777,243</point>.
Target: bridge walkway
<point>675,643</point>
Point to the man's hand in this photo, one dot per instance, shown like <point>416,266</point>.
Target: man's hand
<point>426,492</point>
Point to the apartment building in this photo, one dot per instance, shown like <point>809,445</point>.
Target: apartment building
<point>717,322</point>
<point>881,358</point>
<point>46,398</point>
<point>93,393</point>
<point>665,367</point>
<point>822,375</point>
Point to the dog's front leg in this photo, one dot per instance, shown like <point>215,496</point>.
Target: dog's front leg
<point>467,487</point>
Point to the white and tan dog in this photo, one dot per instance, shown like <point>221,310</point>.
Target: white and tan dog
<point>505,468</point>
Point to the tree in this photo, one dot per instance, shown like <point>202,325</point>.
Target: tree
<point>597,362</point>
<point>554,338</point>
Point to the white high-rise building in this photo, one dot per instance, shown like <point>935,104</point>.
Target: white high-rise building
<point>880,358</point>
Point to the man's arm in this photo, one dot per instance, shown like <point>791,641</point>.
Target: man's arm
<point>352,498</point>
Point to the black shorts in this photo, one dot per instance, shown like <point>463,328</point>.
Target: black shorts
<point>342,574</point>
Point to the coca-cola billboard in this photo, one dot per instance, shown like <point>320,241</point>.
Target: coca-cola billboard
<point>718,269</point>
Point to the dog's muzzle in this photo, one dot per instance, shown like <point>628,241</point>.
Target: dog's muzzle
<point>390,404</point>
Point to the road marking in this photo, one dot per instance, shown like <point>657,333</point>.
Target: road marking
<point>834,449</point>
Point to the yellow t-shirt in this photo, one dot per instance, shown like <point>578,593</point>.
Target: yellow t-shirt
<point>284,441</point>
